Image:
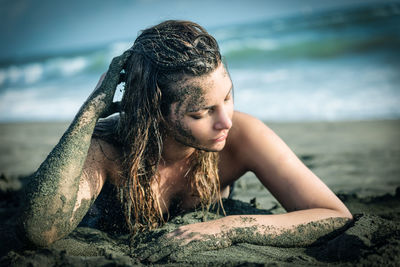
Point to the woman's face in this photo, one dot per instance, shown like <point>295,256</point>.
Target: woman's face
<point>203,116</point>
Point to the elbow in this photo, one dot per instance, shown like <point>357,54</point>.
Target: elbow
<point>341,211</point>
<point>344,213</point>
<point>35,234</point>
<point>347,215</point>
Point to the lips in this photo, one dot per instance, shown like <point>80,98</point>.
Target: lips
<point>221,137</point>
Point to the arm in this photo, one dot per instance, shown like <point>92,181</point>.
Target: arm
<point>294,185</point>
<point>313,209</point>
<point>67,182</point>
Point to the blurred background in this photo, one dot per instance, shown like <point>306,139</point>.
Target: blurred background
<point>325,75</point>
<point>289,60</point>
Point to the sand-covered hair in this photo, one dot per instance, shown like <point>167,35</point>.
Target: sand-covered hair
<point>161,56</point>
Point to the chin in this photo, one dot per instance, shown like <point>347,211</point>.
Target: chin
<point>217,147</point>
<point>214,147</point>
<point>207,149</point>
<point>210,148</point>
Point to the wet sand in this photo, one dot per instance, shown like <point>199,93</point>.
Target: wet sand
<point>358,160</point>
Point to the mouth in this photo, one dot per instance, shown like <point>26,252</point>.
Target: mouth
<point>221,137</point>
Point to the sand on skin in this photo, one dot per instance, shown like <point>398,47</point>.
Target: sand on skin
<point>358,160</point>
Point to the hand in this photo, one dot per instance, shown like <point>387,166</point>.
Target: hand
<point>103,94</point>
<point>183,241</point>
<point>197,232</point>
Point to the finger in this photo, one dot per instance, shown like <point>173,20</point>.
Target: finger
<point>119,61</point>
<point>144,247</point>
<point>156,251</point>
<point>114,108</point>
<point>144,253</point>
<point>117,64</point>
<point>152,252</point>
<point>198,246</point>
<point>162,253</point>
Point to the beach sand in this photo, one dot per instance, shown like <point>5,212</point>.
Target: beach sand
<point>358,160</point>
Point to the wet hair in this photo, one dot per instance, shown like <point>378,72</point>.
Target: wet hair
<point>162,56</point>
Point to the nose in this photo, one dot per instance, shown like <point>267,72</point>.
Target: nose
<point>224,121</point>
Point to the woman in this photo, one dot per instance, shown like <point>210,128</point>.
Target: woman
<point>176,145</point>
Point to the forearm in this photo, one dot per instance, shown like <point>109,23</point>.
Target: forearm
<point>58,197</point>
<point>293,229</point>
<point>299,228</point>
<point>52,191</point>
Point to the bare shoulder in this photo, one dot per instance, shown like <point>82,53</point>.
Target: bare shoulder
<point>277,167</point>
<point>245,125</point>
<point>248,133</point>
<point>246,139</point>
<point>257,146</point>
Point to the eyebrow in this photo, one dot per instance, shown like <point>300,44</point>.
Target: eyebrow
<point>210,107</point>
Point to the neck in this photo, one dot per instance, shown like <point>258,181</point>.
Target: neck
<point>175,152</point>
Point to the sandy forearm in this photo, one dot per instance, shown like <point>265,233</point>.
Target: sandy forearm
<point>57,196</point>
<point>52,191</point>
<point>284,230</point>
<point>294,229</point>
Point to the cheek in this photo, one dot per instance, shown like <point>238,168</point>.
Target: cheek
<point>184,129</point>
<point>231,109</point>
<point>199,129</point>
<point>181,131</point>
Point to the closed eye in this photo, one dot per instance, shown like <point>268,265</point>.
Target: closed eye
<point>199,115</point>
<point>202,114</point>
<point>209,110</point>
<point>196,117</point>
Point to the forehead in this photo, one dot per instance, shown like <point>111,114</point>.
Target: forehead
<point>206,85</point>
<point>196,93</point>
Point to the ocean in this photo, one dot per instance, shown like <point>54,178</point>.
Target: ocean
<point>334,65</point>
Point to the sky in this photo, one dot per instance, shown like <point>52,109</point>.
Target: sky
<point>31,28</point>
